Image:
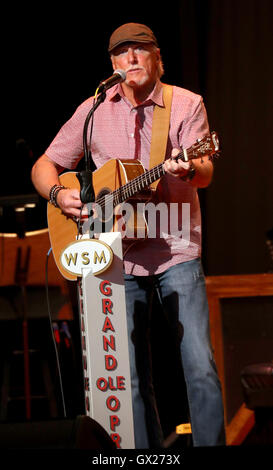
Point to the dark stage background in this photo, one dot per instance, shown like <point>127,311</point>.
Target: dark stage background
<point>221,49</point>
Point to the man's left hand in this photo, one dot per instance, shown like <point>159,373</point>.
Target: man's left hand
<point>175,167</point>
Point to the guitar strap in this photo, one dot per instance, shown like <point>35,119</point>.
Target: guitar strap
<point>160,129</point>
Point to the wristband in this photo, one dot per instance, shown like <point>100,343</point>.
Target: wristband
<point>54,192</point>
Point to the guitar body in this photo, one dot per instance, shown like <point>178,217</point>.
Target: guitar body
<point>115,173</point>
<point>111,176</point>
<point>62,229</point>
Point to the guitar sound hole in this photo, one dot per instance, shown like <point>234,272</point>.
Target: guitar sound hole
<point>106,211</point>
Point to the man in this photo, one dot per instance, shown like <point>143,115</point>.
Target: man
<point>166,264</point>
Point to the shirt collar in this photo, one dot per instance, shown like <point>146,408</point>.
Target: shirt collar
<point>156,96</point>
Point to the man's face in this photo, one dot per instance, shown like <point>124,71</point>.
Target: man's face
<point>140,62</point>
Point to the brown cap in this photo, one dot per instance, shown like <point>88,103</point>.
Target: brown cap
<point>131,32</point>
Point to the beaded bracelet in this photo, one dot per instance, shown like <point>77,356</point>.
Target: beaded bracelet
<point>54,192</point>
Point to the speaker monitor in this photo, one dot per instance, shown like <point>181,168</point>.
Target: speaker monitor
<point>80,433</point>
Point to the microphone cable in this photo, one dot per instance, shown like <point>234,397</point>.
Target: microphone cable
<point>91,131</point>
<point>52,334</point>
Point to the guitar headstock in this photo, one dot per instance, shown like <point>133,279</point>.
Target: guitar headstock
<point>208,145</point>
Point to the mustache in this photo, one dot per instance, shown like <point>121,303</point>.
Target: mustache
<point>135,67</point>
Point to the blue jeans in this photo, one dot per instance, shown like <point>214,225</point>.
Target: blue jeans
<point>182,294</point>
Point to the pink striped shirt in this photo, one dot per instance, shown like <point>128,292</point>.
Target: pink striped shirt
<point>121,130</point>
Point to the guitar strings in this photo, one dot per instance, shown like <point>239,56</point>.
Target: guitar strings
<point>135,185</point>
<point>132,186</point>
<point>140,182</point>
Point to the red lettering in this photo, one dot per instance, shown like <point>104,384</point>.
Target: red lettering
<point>111,384</point>
<point>113,403</point>
<point>120,382</point>
<point>80,287</point>
<point>107,305</point>
<point>109,342</point>
<point>116,438</point>
<point>84,360</point>
<point>82,324</point>
<point>107,325</point>
<point>114,421</point>
<point>102,384</point>
<point>86,384</point>
<point>110,362</point>
<point>105,290</point>
<point>87,403</point>
<point>83,342</point>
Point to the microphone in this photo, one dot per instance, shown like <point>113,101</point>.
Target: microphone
<point>117,77</point>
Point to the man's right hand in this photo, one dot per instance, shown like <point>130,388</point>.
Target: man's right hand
<point>70,203</point>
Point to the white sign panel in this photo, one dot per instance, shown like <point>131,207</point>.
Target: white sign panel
<point>105,345</point>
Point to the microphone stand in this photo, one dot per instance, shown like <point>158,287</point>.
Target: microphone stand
<point>85,176</point>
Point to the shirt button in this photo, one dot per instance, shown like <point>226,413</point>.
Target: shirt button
<point>132,135</point>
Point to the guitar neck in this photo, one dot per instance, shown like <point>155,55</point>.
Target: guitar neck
<point>141,182</point>
<point>137,184</point>
<point>208,145</point>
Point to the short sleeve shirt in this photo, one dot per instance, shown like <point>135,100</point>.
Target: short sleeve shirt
<point>120,130</point>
